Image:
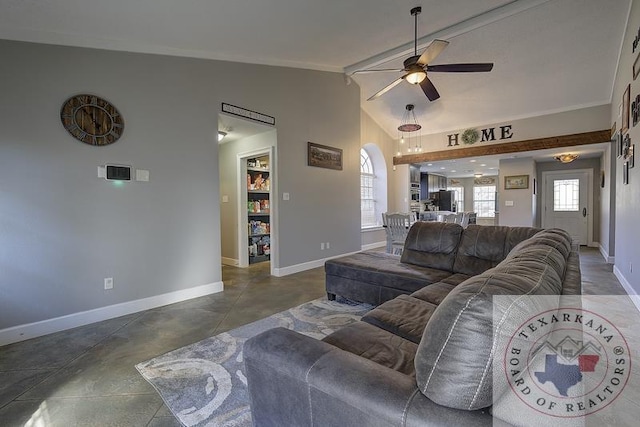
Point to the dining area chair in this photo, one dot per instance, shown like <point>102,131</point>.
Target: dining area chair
<point>396,226</point>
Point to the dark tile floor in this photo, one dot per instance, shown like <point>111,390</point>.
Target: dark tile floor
<point>86,376</point>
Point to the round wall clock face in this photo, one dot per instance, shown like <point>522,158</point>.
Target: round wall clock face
<point>92,120</point>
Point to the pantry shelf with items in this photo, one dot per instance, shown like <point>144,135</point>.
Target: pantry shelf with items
<point>259,209</point>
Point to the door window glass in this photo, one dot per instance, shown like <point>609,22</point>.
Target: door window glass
<point>566,195</point>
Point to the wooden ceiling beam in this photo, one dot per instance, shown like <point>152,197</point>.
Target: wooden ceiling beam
<point>586,138</point>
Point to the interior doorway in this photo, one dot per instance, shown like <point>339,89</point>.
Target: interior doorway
<point>243,139</point>
<point>256,207</point>
<point>568,203</point>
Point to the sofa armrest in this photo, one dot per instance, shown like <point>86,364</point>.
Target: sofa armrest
<point>297,380</point>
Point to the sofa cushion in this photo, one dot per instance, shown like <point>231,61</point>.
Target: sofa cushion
<point>454,359</point>
<point>434,293</point>
<point>404,316</point>
<point>558,246</point>
<point>484,246</point>
<point>377,345</point>
<point>382,269</point>
<point>432,244</point>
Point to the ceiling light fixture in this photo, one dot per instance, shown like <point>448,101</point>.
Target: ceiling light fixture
<point>409,121</point>
<point>409,124</point>
<point>566,158</point>
<point>477,175</point>
<point>221,135</point>
<point>417,76</point>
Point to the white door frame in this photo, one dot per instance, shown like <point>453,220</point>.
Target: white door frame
<point>243,232</point>
<point>589,175</point>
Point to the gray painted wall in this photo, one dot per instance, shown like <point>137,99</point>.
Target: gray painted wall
<point>627,197</point>
<point>521,212</point>
<point>546,125</point>
<point>64,230</point>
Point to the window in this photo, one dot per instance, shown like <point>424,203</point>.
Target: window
<point>484,201</point>
<point>458,195</point>
<point>367,200</point>
<point>566,195</point>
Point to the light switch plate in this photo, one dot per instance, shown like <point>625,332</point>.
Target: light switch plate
<point>285,196</point>
<point>142,175</point>
<point>508,202</point>
<point>225,199</point>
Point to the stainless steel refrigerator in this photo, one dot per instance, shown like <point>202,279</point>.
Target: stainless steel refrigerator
<point>446,201</point>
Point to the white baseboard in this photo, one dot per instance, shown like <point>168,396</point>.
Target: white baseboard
<point>608,259</point>
<point>374,245</point>
<point>44,327</point>
<point>285,271</point>
<point>635,298</point>
<point>230,261</point>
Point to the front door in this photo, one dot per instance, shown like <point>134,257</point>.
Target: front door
<point>566,204</point>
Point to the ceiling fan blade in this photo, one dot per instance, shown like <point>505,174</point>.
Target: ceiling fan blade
<point>461,68</point>
<point>387,88</point>
<point>433,50</point>
<point>429,89</point>
<point>379,70</point>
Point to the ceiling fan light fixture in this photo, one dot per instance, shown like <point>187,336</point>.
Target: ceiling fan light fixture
<point>416,77</point>
<point>566,158</point>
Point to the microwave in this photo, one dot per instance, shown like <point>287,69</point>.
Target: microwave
<point>414,192</point>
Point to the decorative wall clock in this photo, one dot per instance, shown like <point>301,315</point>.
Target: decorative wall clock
<point>92,120</point>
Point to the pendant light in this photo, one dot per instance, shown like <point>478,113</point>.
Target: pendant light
<point>409,124</point>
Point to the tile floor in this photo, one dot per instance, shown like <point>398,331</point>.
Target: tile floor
<point>86,376</point>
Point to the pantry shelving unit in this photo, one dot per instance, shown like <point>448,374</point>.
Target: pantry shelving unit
<point>258,209</point>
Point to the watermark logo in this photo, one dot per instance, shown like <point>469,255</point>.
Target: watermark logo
<point>567,362</point>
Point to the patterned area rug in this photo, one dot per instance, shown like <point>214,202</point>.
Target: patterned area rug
<point>203,384</point>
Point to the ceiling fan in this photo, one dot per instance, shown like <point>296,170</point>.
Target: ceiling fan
<point>417,66</point>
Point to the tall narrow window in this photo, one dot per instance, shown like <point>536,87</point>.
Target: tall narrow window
<point>367,200</point>
<point>566,195</point>
<point>458,193</point>
<point>484,201</point>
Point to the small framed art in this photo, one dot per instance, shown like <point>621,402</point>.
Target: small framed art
<point>516,182</point>
<point>323,156</point>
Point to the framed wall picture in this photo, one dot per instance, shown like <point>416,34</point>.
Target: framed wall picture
<point>626,98</point>
<point>516,182</point>
<point>625,173</point>
<point>323,156</point>
<point>636,66</point>
<point>620,144</point>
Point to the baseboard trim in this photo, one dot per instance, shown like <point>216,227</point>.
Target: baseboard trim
<point>608,259</point>
<point>230,261</point>
<point>285,271</point>
<point>374,245</point>
<point>635,298</point>
<point>57,324</point>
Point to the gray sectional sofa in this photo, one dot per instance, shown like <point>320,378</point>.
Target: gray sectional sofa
<point>434,253</point>
<point>422,358</point>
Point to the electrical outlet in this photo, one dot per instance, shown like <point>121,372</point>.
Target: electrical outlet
<point>108,283</point>
<point>322,246</point>
<point>328,246</point>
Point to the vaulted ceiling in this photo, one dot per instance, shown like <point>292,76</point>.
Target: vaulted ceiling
<point>549,55</point>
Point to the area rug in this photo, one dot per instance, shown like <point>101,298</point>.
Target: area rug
<point>203,384</point>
